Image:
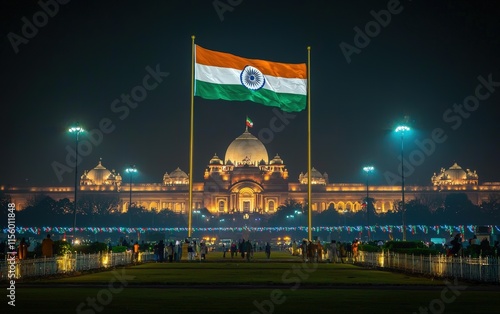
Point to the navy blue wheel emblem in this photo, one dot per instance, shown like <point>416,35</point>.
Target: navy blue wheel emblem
<point>252,78</point>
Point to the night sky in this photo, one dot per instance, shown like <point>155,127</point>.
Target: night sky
<point>427,60</point>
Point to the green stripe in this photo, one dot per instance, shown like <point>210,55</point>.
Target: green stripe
<point>286,102</point>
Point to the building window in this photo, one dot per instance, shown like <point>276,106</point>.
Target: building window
<point>221,206</point>
<point>271,206</point>
<point>246,206</point>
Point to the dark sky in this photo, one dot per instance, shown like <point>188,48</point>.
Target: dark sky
<point>427,58</point>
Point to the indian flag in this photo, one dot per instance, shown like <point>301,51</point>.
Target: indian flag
<point>220,75</point>
<point>249,122</point>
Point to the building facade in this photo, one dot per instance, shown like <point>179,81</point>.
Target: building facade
<point>247,181</point>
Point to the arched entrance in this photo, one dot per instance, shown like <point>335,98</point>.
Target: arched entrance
<point>246,200</point>
<point>246,197</point>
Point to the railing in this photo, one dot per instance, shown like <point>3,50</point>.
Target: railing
<point>69,263</point>
<point>486,269</point>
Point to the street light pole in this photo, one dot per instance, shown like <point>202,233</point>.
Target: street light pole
<point>368,170</point>
<point>402,129</point>
<point>130,171</point>
<point>77,130</point>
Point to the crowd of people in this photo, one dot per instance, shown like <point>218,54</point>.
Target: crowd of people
<point>332,252</point>
<point>198,250</point>
<point>46,247</point>
<point>457,245</point>
<point>188,249</point>
<point>173,251</point>
<point>310,251</point>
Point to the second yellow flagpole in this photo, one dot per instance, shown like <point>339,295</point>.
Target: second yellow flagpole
<point>190,203</point>
<point>309,167</point>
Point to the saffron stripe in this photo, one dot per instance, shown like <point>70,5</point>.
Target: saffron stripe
<point>227,60</point>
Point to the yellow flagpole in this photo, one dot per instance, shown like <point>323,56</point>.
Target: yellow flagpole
<point>190,204</point>
<point>309,167</point>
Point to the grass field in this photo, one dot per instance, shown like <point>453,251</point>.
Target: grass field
<point>282,285</point>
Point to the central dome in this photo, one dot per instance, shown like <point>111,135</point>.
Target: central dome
<point>246,149</point>
<point>99,174</point>
<point>456,173</point>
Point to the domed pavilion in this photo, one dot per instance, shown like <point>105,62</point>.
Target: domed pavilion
<point>455,175</point>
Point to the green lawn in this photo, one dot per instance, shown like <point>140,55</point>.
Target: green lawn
<point>222,273</point>
<point>235,286</point>
<point>151,300</point>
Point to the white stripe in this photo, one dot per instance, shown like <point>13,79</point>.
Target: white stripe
<point>230,76</point>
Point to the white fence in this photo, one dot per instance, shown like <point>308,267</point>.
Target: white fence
<point>486,269</point>
<point>68,263</point>
<point>481,269</point>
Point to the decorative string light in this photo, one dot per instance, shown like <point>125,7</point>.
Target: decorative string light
<point>414,229</point>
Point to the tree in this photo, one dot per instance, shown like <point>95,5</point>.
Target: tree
<point>290,212</point>
<point>290,206</point>
<point>369,211</point>
<point>63,207</point>
<point>43,203</point>
<point>330,217</point>
<point>432,201</point>
<point>4,204</point>
<point>97,210</point>
<point>490,209</point>
<point>40,210</point>
<point>459,209</point>
<point>417,213</point>
<point>151,217</point>
<point>97,204</point>
<point>171,218</point>
<point>136,212</point>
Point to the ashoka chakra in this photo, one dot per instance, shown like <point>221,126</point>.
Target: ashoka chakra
<point>252,78</point>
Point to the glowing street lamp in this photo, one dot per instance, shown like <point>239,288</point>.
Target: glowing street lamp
<point>368,170</point>
<point>130,172</point>
<point>402,129</point>
<point>76,130</point>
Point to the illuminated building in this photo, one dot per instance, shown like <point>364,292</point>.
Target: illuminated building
<point>455,175</point>
<point>247,181</point>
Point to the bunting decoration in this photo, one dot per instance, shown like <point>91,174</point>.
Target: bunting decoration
<point>414,229</point>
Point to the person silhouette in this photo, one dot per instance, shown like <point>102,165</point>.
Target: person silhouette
<point>47,247</point>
